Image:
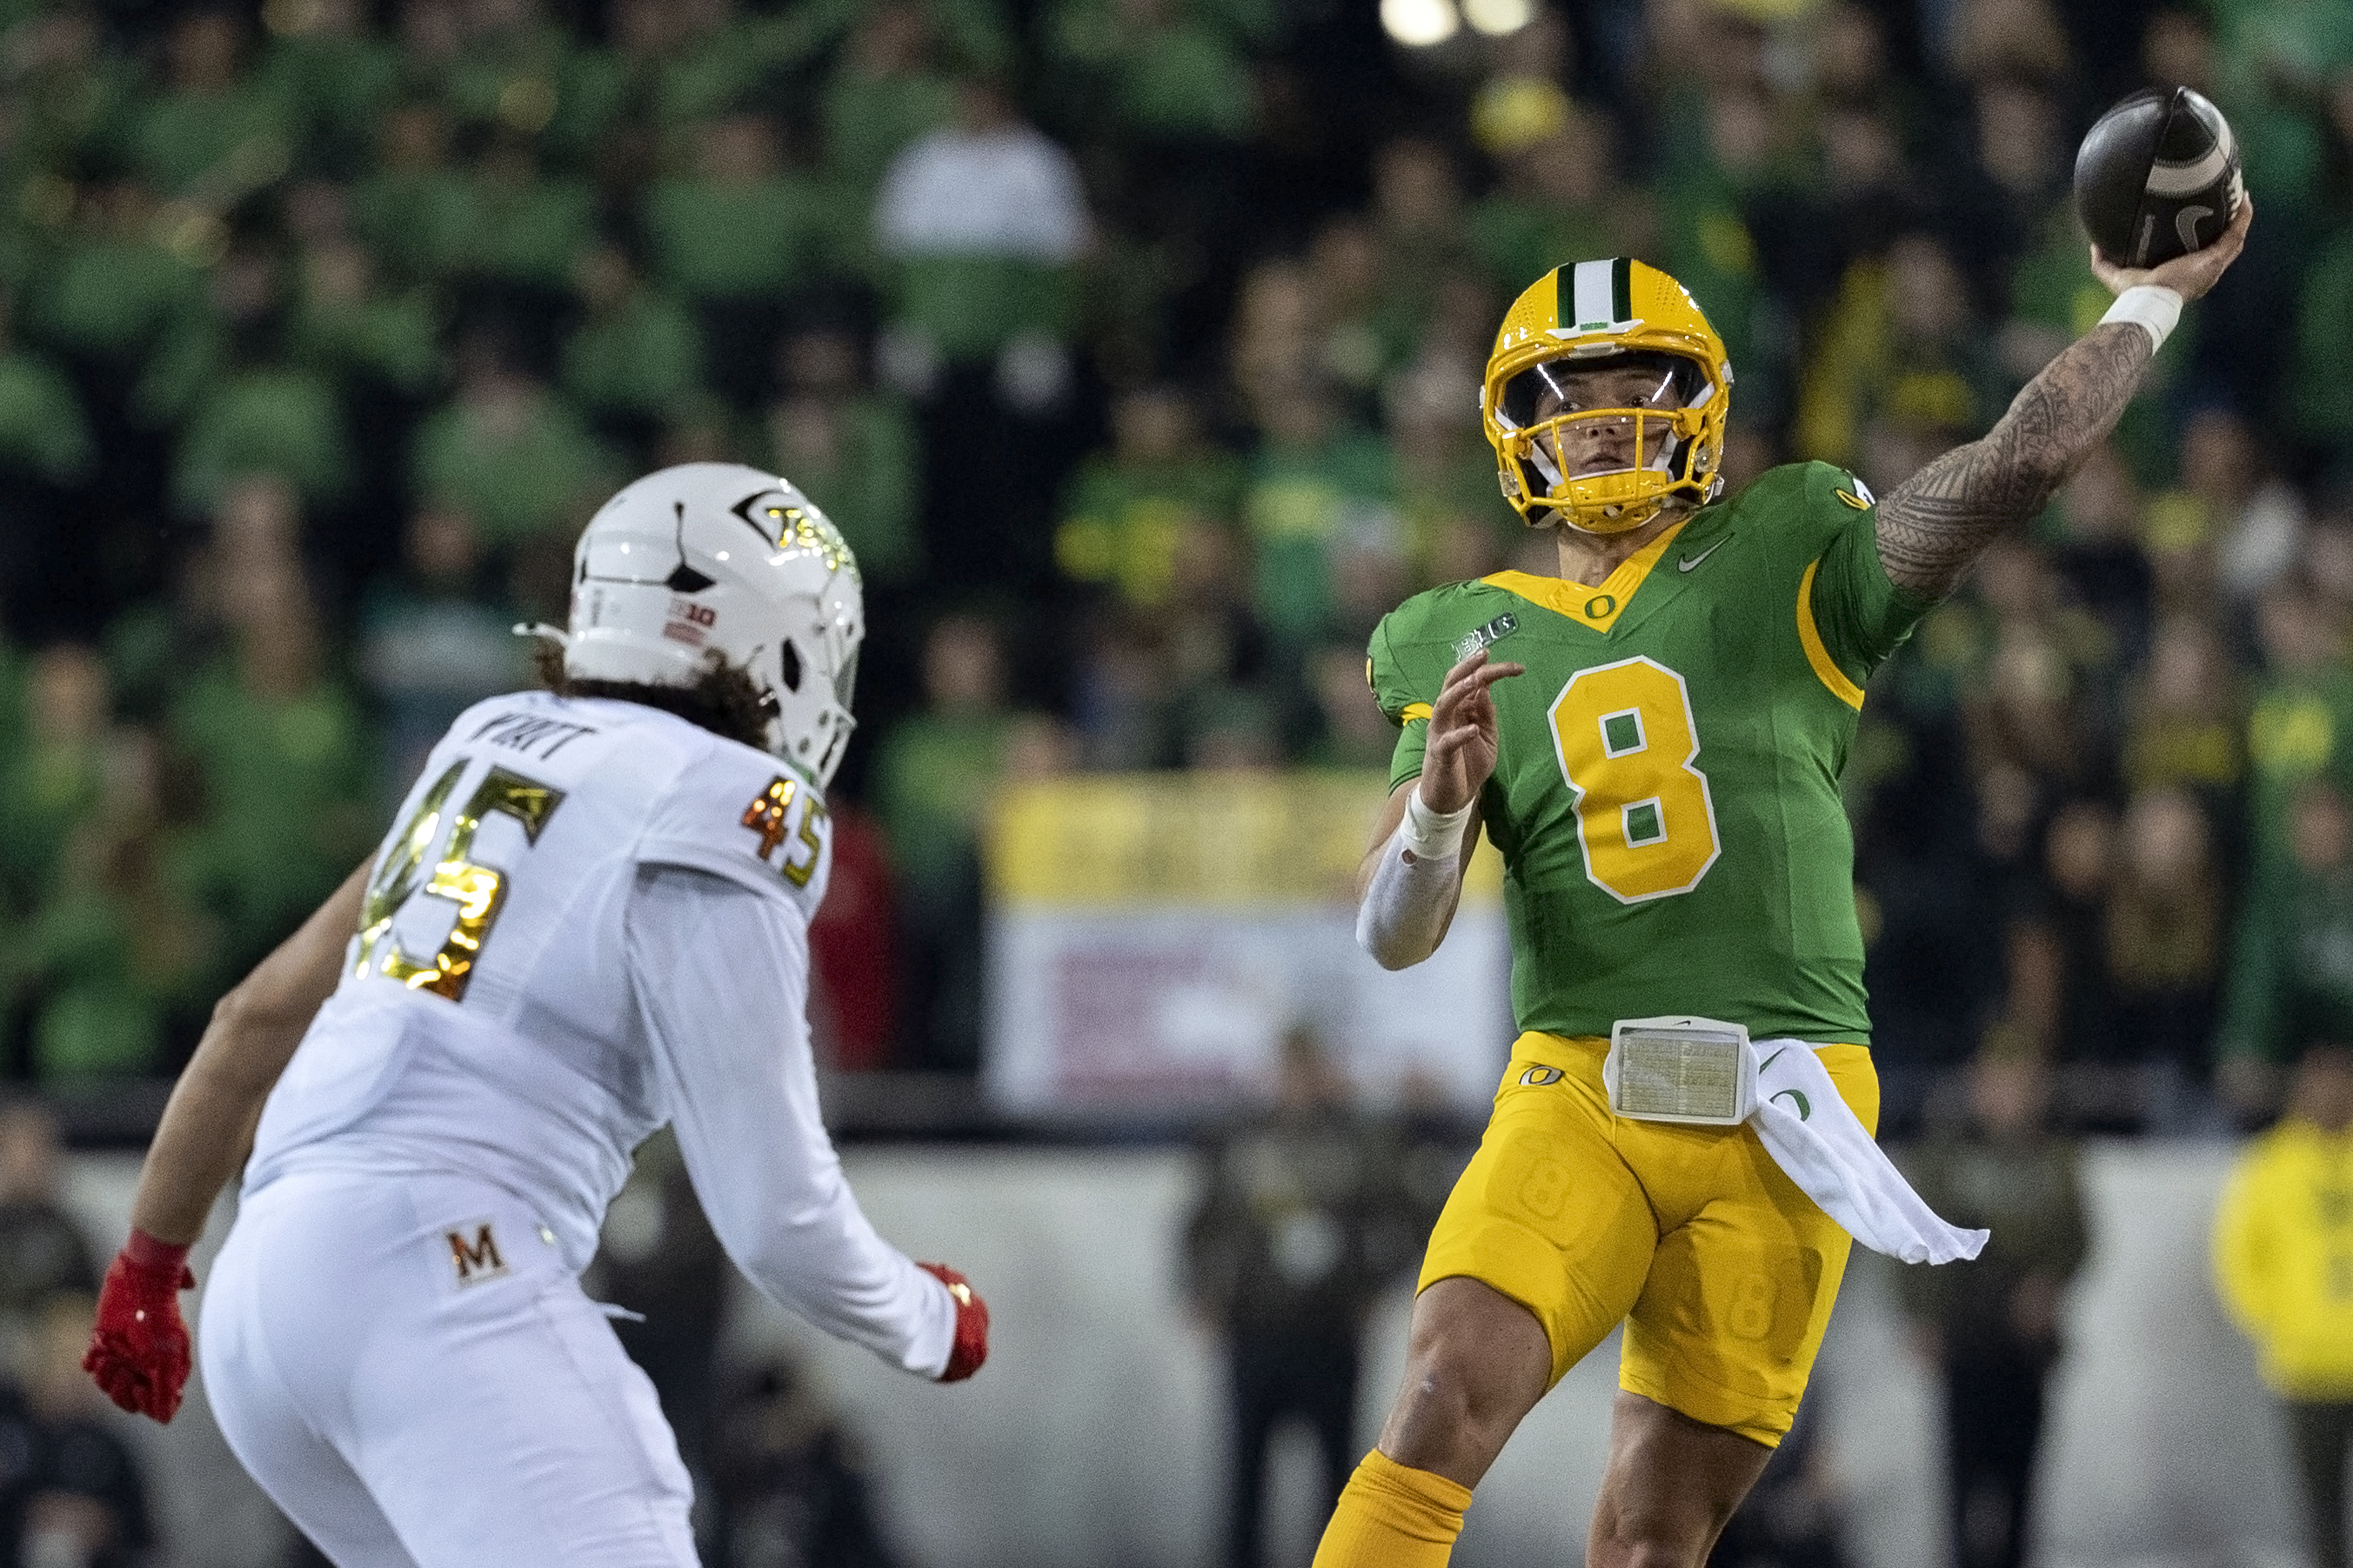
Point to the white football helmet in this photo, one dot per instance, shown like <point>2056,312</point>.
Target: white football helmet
<point>708,558</point>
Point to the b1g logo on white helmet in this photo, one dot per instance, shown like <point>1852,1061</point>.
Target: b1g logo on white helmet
<point>717,559</point>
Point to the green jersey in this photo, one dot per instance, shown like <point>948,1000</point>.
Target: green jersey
<point>1666,790</point>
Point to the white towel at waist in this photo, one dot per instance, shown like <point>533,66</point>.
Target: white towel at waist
<point>1806,1126</point>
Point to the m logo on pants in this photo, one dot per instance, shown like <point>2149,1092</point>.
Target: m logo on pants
<point>478,1260</point>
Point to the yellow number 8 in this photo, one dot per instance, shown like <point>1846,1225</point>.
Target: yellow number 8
<point>1627,744</point>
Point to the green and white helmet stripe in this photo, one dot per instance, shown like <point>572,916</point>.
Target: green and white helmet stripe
<point>1601,295</point>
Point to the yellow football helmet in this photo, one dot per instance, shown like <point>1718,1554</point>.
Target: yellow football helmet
<point>1592,315</point>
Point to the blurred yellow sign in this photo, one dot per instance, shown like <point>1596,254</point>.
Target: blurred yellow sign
<point>1193,839</point>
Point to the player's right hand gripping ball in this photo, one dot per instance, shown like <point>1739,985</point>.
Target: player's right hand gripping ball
<point>972,1323</point>
<point>2158,176</point>
<point>138,1352</point>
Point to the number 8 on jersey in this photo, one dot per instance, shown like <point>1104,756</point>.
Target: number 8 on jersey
<point>1627,744</point>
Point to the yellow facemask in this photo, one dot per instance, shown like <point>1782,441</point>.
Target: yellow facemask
<point>1587,313</point>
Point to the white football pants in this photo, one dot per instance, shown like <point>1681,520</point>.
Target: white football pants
<point>404,1365</point>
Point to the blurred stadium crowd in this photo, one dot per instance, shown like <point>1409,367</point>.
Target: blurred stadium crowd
<point>1135,345</point>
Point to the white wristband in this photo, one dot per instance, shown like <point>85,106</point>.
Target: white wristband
<point>2150,306</point>
<point>1431,835</point>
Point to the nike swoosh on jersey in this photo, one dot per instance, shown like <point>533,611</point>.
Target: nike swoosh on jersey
<point>1686,563</point>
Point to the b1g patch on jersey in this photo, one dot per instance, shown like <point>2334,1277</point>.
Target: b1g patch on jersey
<point>767,814</point>
<point>1494,631</point>
<point>478,1260</point>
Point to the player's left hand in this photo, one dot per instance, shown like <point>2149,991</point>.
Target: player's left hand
<point>971,1347</point>
<point>139,1350</point>
<point>2192,275</point>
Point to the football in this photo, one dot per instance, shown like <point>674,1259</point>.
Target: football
<point>2158,176</point>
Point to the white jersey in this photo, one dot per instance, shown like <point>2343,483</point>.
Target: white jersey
<point>589,917</point>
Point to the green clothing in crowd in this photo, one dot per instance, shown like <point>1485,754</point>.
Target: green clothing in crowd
<point>2276,59</point>
<point>534,79</point>
<point>97,933</point>
<point>641,359</point>
<point>1185,78</point>
<point>1184,82</point>
<point>972,306</point>
<point>696,80</point>
<point>1299,505</point>
<point>111,298</point>
<point>863,469</point>
<point>1710,251</point>
<point>1519,240</point>
<point>1123,521</point>
<point>336,88</point>
<point>390,340</point>
<point>204,144</point>
<point>45,790</point>
<point>12,699</point>
<point>415,223</point>
<point>192,354</point>
<point>267,420</point>
<point>531,232</point>
<point>42,430</point>
<point>1460,490</point>
<point>868,119</point>
<point>2320,394</point>
<point>721,241</point>
<point>2291,980</point>
<point>68,110</point>
<point>289,798</point>
<point>934,780</point>
<point>515,468</point>
<point>114,960</point>
<point>2300,728</point>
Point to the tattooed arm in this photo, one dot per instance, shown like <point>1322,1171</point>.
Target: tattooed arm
<point>1933,526</point>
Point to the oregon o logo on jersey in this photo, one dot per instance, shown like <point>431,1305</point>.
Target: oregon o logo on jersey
<point>1627,744</point>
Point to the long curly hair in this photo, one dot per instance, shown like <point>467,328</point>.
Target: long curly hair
<point>724,699</point>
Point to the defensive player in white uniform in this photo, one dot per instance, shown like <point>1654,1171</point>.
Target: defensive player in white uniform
<point>589,917</point>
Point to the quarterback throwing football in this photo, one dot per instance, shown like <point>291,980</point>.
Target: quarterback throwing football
<point>1653,739</point>
<point>590,917</point>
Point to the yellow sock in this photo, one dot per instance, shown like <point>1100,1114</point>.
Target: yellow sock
<point>1393,1516</point>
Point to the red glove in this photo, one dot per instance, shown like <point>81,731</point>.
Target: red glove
<point>972,1323</point>
<point>139,1350</point>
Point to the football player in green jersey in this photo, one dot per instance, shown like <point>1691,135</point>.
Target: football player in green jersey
<point>1653,739</point>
